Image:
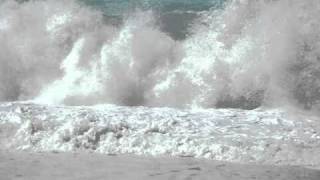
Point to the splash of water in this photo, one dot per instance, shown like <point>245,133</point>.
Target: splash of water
<point>248,54</point>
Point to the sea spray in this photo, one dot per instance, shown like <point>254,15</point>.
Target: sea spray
<point>243,54</point>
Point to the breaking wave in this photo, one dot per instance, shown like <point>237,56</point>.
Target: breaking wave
<point>242,54</point>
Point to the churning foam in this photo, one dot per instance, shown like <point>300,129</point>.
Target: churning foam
<point>245,55</point>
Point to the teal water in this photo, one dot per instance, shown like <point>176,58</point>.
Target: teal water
<point>117,7</point>
<point>175,16</point>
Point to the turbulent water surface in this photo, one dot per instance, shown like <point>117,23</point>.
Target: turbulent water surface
<point>180,64</point>
<point>263,136</point>
<point>204,53</point>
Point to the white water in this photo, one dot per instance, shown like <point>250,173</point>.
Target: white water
<point>258,136</point>
<point>248,54</point>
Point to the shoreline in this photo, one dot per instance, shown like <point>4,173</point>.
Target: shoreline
<point>16,165</point>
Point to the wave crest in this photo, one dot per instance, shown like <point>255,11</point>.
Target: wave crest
<point>248,54</point>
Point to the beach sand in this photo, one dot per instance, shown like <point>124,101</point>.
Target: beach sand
<point>93,166</point>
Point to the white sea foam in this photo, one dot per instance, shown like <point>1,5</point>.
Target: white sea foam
<point>4,24</point>
<point>247,54</point>
<point>259,136</point>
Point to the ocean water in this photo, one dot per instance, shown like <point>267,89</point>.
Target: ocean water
<point>261,136</point>
<point>182,53</point>
<point>200,58</point>
<point>118,7</point>
<point>174,17</point>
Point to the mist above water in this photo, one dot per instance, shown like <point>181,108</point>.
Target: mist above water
<point>244,55</point>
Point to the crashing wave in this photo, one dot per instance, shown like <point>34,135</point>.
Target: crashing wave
<point>244,55</point>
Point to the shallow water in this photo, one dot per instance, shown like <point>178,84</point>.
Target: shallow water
<point>262,136</point>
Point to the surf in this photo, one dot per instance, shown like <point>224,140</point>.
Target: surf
<point>234,54</point>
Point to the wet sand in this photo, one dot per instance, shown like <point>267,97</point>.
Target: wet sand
<point>92,166</point>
